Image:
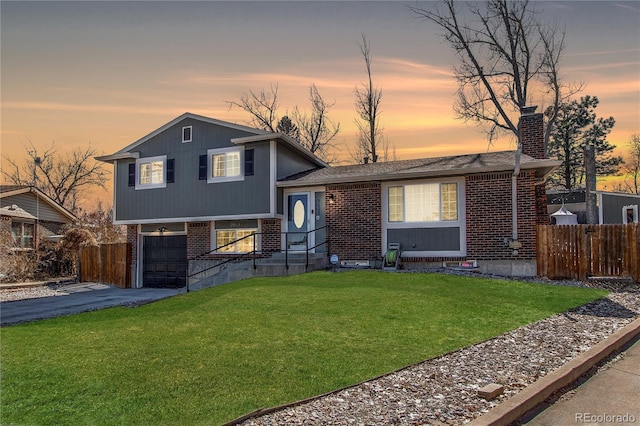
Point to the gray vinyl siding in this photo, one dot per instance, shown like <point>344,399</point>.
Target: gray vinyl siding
<point>290,163</point>
<point>41,209</point>
<point>188,196</point>
<point>612,207</point>
<point>425,239</point>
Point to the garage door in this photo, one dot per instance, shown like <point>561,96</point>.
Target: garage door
<point>165,261</point>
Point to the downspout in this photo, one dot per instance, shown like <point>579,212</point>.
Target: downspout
<point>515,244</point>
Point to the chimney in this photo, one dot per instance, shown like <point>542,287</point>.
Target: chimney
<point>532,132</point>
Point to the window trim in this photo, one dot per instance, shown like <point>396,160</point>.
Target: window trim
<point>459,223</point>
<point>214,237</point>
<point>184,140</point>
<point>225,151</point>
<point>145,160</point>
<point>403,187</point>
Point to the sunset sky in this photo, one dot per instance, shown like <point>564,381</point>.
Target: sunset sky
<point>107,73</point>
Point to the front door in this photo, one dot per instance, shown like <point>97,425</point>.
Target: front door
<point>298,222</point>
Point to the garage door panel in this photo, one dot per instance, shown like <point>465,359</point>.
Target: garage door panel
<point>165,261</point>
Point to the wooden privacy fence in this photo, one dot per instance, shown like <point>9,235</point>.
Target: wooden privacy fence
<point>107,264</point>
<point>580,251</point>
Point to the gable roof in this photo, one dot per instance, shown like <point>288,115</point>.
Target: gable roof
<point>458,165</point>
<point>287,141</point>
<point>125,152</point>
<point>16,211</point>
<point>10,190</point>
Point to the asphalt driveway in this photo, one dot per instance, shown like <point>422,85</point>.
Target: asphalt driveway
<point>81,297</point>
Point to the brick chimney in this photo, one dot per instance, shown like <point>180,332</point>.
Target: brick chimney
<point>532,133</point>
<point>532,139</point>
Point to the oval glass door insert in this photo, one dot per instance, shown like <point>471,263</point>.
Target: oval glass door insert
<point>298,214</point>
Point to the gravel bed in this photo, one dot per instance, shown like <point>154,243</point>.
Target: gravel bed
<point>443,390</point>
<point>13,294</point>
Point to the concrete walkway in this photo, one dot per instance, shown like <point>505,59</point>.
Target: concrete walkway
<point>81,297</point>
<point>610,397</point>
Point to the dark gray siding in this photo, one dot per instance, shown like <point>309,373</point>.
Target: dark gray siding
<point>612,207</point>
<point>42,210</point>
<point>188,196</point>
<point>290,163</point>
<point>425,239</point>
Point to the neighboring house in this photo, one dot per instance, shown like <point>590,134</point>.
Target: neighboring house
<point>196,184</point>
<point>28,215</point>
<point>613,207</point>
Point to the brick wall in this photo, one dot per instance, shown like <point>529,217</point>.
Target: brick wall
<point>198,238</point>
<point>132,238</point>
<point>489,216</point>
<point>5,230</point>
<point>354,220</point>
<point>271,229</point>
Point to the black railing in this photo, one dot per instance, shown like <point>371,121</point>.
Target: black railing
<point>254,253</point>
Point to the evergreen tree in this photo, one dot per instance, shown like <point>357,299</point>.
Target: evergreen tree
<point>285,125</point>
<point>577,126</point>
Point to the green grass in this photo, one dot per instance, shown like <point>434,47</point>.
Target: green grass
<point>210,356</point>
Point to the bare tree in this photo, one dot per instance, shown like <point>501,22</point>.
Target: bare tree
<point>631,166</point>
<point>63,177</point>
<point>503,53</point>
<point>262,107</point>
<point>317,131</point>
<point>368,97</point>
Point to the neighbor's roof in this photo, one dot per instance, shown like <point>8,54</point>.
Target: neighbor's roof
<point>15,211</point>
<point>459,165</point>
<point>10,190</point>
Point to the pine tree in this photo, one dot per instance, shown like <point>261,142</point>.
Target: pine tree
<point>576,126</point>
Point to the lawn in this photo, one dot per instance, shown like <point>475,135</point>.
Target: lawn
<point>209,356</point>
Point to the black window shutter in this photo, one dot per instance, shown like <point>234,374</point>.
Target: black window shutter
<point>248,162</point>
<point>132,174</point>
<point>171,175</point>
<point>202,168</point>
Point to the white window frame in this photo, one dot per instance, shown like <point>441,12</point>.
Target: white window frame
<point>184,140</point>
<point>19,245</point>
<point>225,151</point>
<point>146,160</point>
<point>404,204</point>
<point>214,238</point>
<point>634,209</point>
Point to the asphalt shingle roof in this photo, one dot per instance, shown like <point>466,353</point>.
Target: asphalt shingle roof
<point>424,167</point>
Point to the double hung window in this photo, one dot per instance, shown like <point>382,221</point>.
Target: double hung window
<point>225,165</point>
<point>151,172</point>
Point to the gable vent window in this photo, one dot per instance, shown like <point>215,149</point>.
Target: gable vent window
<point>151,172</point>
<point>187,134</point>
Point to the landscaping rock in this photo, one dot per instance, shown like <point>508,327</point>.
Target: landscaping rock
<point>444,390</point>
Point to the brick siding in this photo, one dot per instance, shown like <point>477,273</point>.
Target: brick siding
<point>354,220</point>
<point>132,238</point>
<point>489,216</point>
<point>198,238</point>
<point>271,238</point>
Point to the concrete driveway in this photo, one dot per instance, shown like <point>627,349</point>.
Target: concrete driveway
<point>80,297</point>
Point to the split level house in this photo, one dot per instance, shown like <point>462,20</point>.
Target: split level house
<point>200,188</point>
<point>28,215</point>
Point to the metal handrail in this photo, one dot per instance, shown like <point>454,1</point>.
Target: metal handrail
<point>255,251</point>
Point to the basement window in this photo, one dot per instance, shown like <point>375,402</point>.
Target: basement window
<point>235,236</point>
